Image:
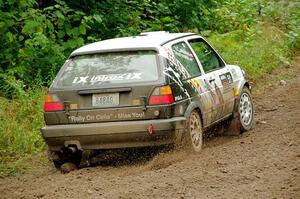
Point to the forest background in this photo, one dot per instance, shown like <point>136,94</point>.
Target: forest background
<point>36,37</point>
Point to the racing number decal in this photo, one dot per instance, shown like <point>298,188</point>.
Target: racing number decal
<point>226,80</point>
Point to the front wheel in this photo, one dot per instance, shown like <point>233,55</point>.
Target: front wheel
<point>194,135</point>
<point>245,109</point>
<point>243,115</point>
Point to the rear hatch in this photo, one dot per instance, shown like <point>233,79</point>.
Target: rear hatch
<point>106,87</point>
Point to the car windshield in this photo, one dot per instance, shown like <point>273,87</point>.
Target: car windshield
<point>108,68</point>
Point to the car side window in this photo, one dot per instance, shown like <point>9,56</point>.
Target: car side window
<point>185,56</point>
<point>209,59</point>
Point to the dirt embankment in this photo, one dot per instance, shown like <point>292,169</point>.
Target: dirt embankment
<point>261,163</point>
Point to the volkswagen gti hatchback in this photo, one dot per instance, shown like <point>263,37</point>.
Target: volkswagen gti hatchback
<point>154,89</point>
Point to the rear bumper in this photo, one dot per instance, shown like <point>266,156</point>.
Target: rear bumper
<point>114,134</point>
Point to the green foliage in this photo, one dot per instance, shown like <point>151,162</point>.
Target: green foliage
<point>258,50</point>
<point>20,121</point>
<point>36,41</point>
<point>37,36</point>
<point>11,87</point>
<point>235,14</point>
<point>286,15</point>
<point>293,26</point>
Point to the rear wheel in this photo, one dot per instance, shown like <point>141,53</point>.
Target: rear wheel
<point>194,135</point>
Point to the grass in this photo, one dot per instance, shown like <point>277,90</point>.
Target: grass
<point>258,50</point>
<point>20,138</point>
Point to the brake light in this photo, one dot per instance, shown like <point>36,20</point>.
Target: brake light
<point>52,103</point>
<point>162,95</point>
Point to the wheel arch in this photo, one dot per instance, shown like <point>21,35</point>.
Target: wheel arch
<point>240,87</point>
<point>194,106</point>
<point>242,84</point>
<point>246,84</point>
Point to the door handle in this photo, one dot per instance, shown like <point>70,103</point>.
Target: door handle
<point>211,80</point>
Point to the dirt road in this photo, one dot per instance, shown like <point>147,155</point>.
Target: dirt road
<point>262,163</point>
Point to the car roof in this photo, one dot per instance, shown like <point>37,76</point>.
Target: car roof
<point>146,40</point>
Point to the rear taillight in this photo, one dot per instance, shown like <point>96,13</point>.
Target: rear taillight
<point>52,103</point>
<point>161,95</point>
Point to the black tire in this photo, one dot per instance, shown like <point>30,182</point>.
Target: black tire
<point>193,140</point>
<point>243,115</point>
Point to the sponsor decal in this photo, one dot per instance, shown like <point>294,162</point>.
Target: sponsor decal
<point>196,84</point>
<point>77,119</point>
<point>99,117</point>
<point>179,97</point>
<point>103,78</point>
<point>227,81</point>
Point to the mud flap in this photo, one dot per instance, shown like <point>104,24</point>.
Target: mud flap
<point>234,127</point>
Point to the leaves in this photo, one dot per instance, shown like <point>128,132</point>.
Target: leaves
<point>97,18</point>
<point>37,40</point>
<point>30,27</point>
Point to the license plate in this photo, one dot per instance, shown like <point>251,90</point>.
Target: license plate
<point>106,99</point>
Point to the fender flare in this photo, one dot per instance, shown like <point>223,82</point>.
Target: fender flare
<point>242,84</point>
<point>192,106</point>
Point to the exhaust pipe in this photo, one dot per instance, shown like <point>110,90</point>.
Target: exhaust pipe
<point>69,150</point>
<point>72,149</point>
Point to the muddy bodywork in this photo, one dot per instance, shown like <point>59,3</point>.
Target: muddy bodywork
<point>134,122</point>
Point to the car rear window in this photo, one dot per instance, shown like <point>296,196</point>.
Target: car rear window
<point>108,68</point>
